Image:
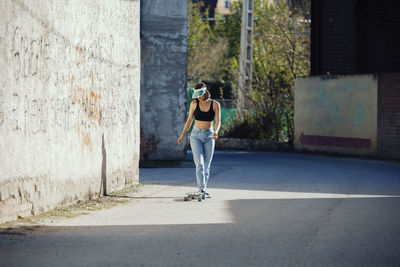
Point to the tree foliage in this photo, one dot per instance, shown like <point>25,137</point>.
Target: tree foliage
<point>281,46</point>
<point>206,50</point>
<point>281,53</point>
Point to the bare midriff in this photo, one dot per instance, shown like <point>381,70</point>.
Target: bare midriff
<point>203,124</point>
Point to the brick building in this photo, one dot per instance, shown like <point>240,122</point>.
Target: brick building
<point>355,37</point>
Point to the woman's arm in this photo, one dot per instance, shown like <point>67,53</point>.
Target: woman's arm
<point>188,123</point>
<point>217,110</point>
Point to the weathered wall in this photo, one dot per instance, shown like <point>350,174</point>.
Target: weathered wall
<point>337,114</point>
<point>69,101</point>
<point>163,78</point>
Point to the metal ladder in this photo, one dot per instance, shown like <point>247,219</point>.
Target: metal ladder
<point>246,55</point>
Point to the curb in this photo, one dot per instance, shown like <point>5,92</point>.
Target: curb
<point>239,144</point>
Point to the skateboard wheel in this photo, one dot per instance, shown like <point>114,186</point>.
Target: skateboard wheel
<point>203,196</point>
<point>199,199</point>
<point>186,198</point>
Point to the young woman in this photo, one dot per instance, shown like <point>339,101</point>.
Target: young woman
<point>202,138</point>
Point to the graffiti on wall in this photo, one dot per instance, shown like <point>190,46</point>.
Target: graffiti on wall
<point>29,55</point>
<point>60,87</point>
<point>336,112</point>
<point>336,109</point>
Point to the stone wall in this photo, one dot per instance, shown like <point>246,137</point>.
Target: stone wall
<point>69,101</point>
<point>237,144</point>
<point>163,78</point>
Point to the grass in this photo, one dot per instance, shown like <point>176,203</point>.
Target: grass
<point>24,224</point>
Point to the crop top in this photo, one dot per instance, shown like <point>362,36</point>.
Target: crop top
<point>204,116</point>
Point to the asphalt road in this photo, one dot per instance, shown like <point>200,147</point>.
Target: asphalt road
<point>267,209</point>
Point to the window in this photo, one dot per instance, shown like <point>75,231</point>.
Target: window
<point>226,3</point>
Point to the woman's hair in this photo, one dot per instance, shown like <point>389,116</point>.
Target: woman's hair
<point>208,95</point>
<point>201,85</point>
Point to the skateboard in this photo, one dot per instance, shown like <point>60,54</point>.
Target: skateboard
<point>198,196</point>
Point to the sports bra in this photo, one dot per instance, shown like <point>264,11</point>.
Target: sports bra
<point>204,116</point>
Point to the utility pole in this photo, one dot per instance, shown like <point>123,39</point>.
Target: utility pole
<point>246,56</point>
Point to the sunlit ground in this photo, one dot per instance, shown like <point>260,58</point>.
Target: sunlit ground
<point>164,205</point>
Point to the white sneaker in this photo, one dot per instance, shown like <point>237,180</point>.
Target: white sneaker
<point>198,192</point>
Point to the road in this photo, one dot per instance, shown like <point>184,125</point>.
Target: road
<point>267,209</point>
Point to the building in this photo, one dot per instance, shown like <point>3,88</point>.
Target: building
<point>224,6</point>
<point>211,5</point>
<point>350,104</point>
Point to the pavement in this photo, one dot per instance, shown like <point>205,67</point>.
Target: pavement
<point>267,209</point>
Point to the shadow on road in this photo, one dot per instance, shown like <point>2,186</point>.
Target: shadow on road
<point>284,232</point>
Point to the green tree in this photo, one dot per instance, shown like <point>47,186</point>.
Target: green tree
<point>281,53</point>
<point>281,50</point>
<point>206,50</point>
<point>229,27</point>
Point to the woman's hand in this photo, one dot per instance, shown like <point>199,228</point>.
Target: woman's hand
<point>214,135</point>
<point>180,139</point>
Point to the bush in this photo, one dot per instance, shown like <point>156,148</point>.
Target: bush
<point>220,89</point>
<point>276,126</point>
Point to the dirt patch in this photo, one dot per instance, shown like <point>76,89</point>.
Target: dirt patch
<point>25,225</point>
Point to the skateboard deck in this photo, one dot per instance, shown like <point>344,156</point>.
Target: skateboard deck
<point>191,196</point>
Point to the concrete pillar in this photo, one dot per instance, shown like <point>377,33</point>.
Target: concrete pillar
<point>163,78</point>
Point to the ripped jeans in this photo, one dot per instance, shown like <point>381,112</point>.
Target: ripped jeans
<point>202,149</point>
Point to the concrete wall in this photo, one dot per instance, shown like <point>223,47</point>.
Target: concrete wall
<point>337,114</point>
<point>69,101</point>
<point>163,78</point>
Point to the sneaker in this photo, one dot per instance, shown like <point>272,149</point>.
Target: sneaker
<point>198,192</point>
<point>208,195</point>
<point>194,194</point>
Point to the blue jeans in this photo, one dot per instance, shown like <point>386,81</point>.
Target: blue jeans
<point>203,149</point>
